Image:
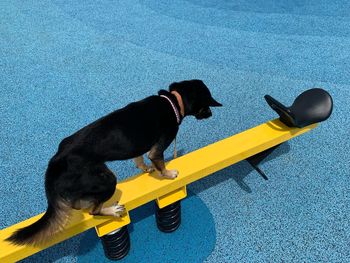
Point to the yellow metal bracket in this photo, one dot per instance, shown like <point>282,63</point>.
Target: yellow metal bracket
<point>171,197</point>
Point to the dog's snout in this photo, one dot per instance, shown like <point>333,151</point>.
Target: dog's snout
<point>203,114</point>
<point>207,113</point>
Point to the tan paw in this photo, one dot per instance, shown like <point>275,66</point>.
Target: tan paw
<point>114,210</point>
<point>118,210</point>
<point>170,174</point>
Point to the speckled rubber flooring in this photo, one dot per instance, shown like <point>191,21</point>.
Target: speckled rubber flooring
<point>64,64</point>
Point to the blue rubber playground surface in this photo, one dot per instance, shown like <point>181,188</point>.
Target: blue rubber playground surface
<point>64,64</point>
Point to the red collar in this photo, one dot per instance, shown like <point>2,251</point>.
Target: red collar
<point>181,104</point>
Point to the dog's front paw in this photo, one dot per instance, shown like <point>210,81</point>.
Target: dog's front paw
<point>170,174</point>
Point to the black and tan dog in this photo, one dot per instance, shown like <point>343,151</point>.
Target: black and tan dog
<point>77,176</point>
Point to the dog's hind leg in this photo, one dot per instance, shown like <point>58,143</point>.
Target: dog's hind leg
<point>96,210</point>
<point>82,204</point>
<point>140,163</point>
<point>93,188</point>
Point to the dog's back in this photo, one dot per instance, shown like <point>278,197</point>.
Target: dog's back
<point>120,135</point>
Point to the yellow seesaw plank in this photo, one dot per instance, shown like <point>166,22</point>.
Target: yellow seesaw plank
<point>143,188</point>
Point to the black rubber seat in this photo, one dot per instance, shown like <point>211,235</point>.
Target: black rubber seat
<point>311,106</point>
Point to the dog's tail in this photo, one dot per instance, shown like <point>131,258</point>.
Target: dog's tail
<point>52,222</point>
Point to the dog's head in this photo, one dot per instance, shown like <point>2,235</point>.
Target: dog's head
<point>196,98</point>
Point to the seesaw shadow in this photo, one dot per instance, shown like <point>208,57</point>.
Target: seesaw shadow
<point>237,172</point>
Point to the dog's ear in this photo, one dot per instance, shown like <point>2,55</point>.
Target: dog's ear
<point>195,95</point>
<point>174,86</point>
<point>187,94</point>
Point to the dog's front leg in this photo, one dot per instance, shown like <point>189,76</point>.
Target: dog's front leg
<point>140,163</point>
<point>157,158</point>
